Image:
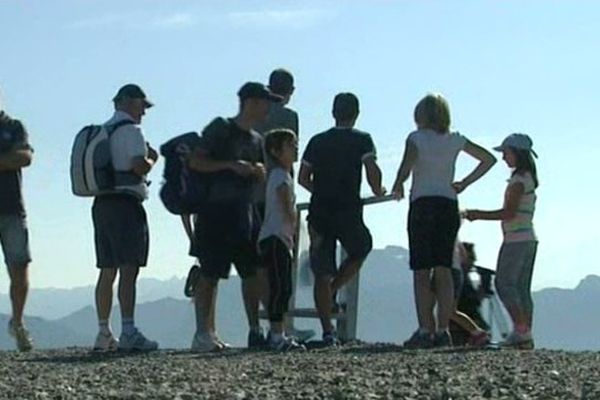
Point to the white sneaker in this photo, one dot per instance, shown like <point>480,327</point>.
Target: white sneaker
<point>21,336</point>
<point>136,342</point>
<point>205,343</point>
<point>302,335</point>
<point>105,342</point>
<point>286,344</point>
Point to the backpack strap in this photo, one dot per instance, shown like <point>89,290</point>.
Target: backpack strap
<point>122,178</point>
<point>110,129</point>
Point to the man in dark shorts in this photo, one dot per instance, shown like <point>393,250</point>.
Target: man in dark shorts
<point>120,223</point>
<point>15,154</point>
<point>332,171</point>
<point>227,227</point>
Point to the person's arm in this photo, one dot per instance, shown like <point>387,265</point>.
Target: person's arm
<point>284,195</point>
<point>142,165</point>
<point>406,166</point>
<point>20,154</point>
<point>305,177</point>
<point>200,161</point>
<point>131,140</point>
<point>186,220</point>
<point>16,159</point>
<point>297,126</point>
<point>512,199</point>
<point>486,162</point>
<point>374,175</point>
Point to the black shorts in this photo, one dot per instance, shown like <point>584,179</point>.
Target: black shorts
<point>433,224</point>
<point>120,231</point>
<point>226,234</point>
<point>326,226</point>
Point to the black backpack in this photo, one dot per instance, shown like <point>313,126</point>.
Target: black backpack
<point>184,190</point>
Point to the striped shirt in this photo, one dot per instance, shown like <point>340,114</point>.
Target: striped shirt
<point>520,228</point>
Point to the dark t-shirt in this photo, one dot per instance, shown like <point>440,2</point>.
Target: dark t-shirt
<point>224,140</point>
<point>279,117</point>
<point>336,157</point>
<point>12,136</point>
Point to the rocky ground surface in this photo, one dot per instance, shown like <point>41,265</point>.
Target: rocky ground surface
<point>349,372</point>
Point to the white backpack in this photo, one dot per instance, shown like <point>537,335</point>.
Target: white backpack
<point>92,171</point>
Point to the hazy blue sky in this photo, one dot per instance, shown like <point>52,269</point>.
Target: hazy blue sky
<point>504,66</point>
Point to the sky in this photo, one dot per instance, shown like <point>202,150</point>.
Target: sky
<point>504,67</point>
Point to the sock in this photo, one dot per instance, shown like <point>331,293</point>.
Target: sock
<point>127,326</point>
<point>103,327</point>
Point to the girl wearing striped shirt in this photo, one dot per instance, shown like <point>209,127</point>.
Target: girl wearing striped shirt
<point>517,254</point>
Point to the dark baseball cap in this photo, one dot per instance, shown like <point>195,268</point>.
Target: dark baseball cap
<point>256,90</point>
<point>345,106</point>
<point>132,91</point>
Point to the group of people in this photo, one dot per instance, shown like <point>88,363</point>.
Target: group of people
<point>250,217</point>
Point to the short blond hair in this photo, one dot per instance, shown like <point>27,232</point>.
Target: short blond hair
<point>433,112</point>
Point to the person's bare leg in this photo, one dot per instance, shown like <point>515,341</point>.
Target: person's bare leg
<point>251,295</point>
<point>19,287</point>
<point>323,301</point>
<point>127,290</point>
<point>204,301</point>
<point>213,311</point>
<point>424,299</point>
<point>104,292</point>
<point>348,270</point>
<point>444,294</point>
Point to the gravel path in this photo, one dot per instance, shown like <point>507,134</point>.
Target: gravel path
<point>350,372</point>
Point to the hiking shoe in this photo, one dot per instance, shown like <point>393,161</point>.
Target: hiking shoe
<point>520,341</point>
<point>330,339</point>
<point>302,335</point>
<point>419,340</point>
<point>442,339</point>
<point>105,342</point>
<point>191,280</point>
<point>21,336</point>
<point>256,339</point>
<point>136,342</point>
<point>286,344</point>
<point>205,343</point>
<point>479,339</point>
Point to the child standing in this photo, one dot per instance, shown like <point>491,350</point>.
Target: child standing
<point>518,251</point>
<point>276,238</point>
<point>433,218</point>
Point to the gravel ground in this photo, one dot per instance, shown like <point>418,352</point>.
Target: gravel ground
<point>349,372</point>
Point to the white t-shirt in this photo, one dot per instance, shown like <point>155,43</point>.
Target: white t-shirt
<point>127,143</point>
<point>433,172</point>
<point>276,223</point>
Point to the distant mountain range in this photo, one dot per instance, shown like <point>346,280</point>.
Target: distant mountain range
<point>564,318</point>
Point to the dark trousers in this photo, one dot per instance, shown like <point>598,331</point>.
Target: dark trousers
<point>278,260</point>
